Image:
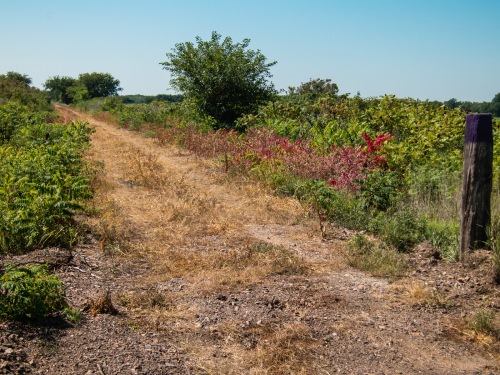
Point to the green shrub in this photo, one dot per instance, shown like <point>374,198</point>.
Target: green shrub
<point>14,117</point>
<point>16,91</point>
<point>379,189</point>
<point>73,315</point>
<point>43,182</point>
<point>377,258</point>
<point>30,292</point>
<point>445,236</point>
<point>401,229</point>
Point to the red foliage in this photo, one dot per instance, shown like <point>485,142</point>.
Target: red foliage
<point>341,167</point>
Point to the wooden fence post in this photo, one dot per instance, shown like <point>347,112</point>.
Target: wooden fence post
<point>476,182</point>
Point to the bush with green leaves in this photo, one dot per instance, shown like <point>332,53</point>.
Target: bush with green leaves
<point>43,183</point>
<point>14,116</point>
<point>30,292</point>
<point>424,133</point>
<point>87,86</point>
<point>222,79</point>
<point>14,89</point>
<point>377,258</point>
<point>379,189</point>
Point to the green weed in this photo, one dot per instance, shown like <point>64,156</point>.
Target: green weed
<point>30,292</point>
<point>73,315</point>
<point>483,322</point>
<point>375,257</point>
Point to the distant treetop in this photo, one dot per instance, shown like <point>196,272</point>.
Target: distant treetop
<point>87,86</point>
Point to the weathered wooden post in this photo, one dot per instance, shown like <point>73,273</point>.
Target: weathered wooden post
<point>476,182</point>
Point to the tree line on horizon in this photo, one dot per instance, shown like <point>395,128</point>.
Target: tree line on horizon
<point>221,79</point>
<point>492,107</point>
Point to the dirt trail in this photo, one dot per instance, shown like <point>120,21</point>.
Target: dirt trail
<point>218,277</point>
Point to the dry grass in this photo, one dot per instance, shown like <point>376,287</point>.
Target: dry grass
<point>190,232</point>
<point>423,295</point>
<point>258,350</point>
<point>182,217</point>
<point>145,170</point>
<point>219,269</point>
<point>286,350</point>
<point>282,350</point>
<point>147,299</point>
<point>481,327</point>
<point>102,305</point>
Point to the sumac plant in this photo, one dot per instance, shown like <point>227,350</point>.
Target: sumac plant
<point>30,292</point>
<point>342,167</point>
<point>43,183</point>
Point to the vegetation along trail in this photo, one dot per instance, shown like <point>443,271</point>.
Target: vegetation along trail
<point>213,276</point>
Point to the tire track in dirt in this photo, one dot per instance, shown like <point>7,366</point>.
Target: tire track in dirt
<point>330,319</point>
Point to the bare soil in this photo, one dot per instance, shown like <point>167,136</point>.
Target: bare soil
<point>185,270</point>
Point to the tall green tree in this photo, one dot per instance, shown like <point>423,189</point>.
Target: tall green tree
<point>23,78</point>
<point>495,105</point>
<point>315,88</point>
<point>77,92</point>
<point>222,79</point>
<point>14,88</point>
<point>58,88</point>
<point>452,103</point>
<point>87,86</point>
<point>99,85</point>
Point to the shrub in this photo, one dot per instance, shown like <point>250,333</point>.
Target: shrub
<point>379,189</point>
<point>43,182</point>
<point>401,229</point>
<point>15,91</point>
<point>30,292</point>
<point>378,259</point>
<point>234,79</point>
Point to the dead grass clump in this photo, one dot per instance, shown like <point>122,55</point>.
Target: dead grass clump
<point>149,299</point>
<point>102,305</point>
<point>422,295</point>
<point>145,169</point>
<point>258,349</point>
<point>218,268</point>
<point>110,229</point>
<point>419,294</point>
<point>481,327</point>
<point>180,262</point>
<point>283,261</point>
<point>283,350</point>
<point>266,257</point>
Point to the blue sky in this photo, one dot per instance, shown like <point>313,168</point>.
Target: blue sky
<point>425,49</point>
